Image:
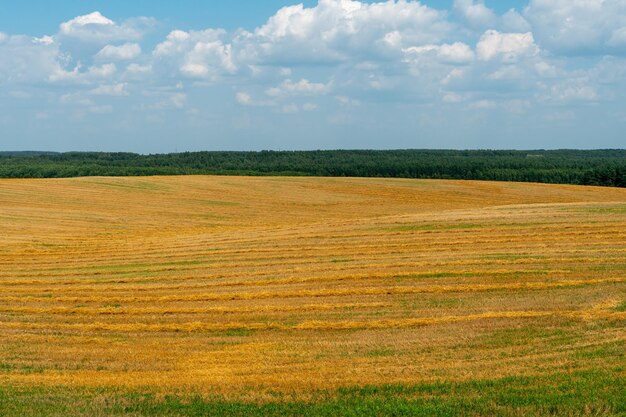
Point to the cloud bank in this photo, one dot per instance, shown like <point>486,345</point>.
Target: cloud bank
<point>332,61</point>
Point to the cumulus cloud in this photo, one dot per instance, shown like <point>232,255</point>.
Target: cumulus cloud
<point>358,53</point>
<point>24,60</point>
<point>96,28</point>
<point>618,37</point>
<point>244,98</point>
<point>302,87</point>
<point>475,14</point>
<point>76,75</point>
<point>110,90</point>
<point>169,101</point>
<point>347,101</point>
<point>126,51</point>
<point>578,27</point>
<point>201,54</point>
<point>135,68</point>
<point>572,91</point>
<point>44,40</point>
<point>85,22</point>
<point>340,30</point>
<point>512,21</point>
<point>456,53</point>
<point>509,47</point>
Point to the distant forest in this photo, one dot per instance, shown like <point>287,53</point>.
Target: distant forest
<point>589,167</point>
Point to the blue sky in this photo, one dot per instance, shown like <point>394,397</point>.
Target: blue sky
<point>155,76</point>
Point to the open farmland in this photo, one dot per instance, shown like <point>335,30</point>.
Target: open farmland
<point>310,295</point>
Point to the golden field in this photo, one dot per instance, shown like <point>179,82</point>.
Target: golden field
<point>249,286</point>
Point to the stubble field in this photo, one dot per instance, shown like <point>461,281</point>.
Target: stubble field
<point>242,295</point>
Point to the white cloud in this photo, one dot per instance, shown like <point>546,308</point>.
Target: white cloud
<point>178,100</point>
<point>110,90</point>
<point>618,37</point>
<point>456,53</point>
<point>577,26</point>
<point>454,74</point>
<point>209,59</point>
<point>169,101</point>
<point>200,54</point>
<point>395,51</point>
<point>512,21</point>
<point>483,105</point>
<point>343,30</point>
<point>573,91</point>
<point>452,98</point>
<point>96,28</point>
<point>302,87</point>
<point>103,71</point>
<point>507,73</point>
<point>509,47</point>
<point>546,69</point>
<point>23,60</point>
<point>244,98</point>
<point>139,69</point>
<point>126,51</point>
<point>175,42</point>
<point>44,40</point>
<point>78,23</point>
<point>75,75</point>
<point>476,14</point>
<point>347,101</point>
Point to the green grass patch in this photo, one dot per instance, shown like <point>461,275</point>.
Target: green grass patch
<point>592,393</point>
<point>378,353</point>
<point>445,302</point>
<point>238,333</point>
<point>6,367</point>
<point>607,350</point>
<point>603,210</point>
<point>525,336</point>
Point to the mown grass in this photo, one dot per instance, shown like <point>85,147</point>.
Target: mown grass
<point>604,210</point>
<point>153,302</point>
<point>590,393</point>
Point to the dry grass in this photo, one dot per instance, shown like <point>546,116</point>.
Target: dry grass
<point>245,286</point>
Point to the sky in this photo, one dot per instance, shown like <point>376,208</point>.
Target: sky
<point>161,76</point>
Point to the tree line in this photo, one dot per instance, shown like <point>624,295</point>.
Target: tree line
<point>586,167</point>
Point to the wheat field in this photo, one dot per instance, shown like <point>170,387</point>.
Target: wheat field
<point>256,287</point>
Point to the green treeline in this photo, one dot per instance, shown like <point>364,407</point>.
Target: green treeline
<point>590,167</point>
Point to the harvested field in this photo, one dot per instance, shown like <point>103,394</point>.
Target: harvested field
<point>257,289</point>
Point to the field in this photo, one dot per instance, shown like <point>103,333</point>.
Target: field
<point>322,296</point>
